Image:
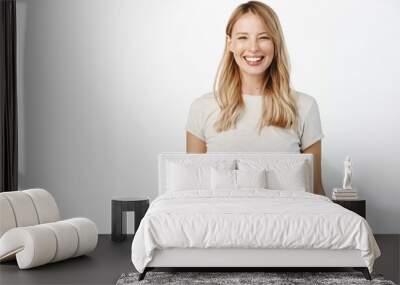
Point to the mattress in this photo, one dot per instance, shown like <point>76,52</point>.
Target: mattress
<point>250,219</point>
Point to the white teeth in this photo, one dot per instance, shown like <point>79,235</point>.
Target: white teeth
<point>248,58</point>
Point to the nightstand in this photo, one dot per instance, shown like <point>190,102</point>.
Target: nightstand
<point>119,207</point>
<point>357,206</point>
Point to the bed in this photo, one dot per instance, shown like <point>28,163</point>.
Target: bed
<point>246,210</point>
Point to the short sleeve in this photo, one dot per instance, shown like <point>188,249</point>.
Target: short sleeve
<point>195,122</point>
<point>311,129</point>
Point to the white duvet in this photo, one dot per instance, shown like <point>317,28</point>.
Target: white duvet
<point>251,218</point>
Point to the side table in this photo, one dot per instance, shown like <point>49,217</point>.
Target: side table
<point>357,206</point>
<point>119,207</point>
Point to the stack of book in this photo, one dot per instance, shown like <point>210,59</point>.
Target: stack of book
<point>344,194</point>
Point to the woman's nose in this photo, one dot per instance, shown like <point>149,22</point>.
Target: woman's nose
<point>253,45</point>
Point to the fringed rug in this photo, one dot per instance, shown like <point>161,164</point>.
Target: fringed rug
<point>243,278</point>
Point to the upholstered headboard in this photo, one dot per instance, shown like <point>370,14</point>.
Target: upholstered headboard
<point>271,158</point>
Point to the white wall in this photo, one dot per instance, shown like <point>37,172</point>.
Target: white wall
<point>104,86</point>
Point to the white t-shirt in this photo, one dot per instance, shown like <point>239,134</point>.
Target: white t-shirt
<point>204,112</point>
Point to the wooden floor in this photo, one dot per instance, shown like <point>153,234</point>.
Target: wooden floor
<point>111,259</point>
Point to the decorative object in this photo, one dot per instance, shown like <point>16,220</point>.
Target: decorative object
<point>347,174</point>
<point>249,278</point>
<point>346,192</point>
<point>340,194</point>
<point>121,205</point>
<point>32,233</point>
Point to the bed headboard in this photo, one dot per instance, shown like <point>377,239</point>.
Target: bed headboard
<point>164,158</point>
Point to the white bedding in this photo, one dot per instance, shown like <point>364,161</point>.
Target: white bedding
<point>250,218</point>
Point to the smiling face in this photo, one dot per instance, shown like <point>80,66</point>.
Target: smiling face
<point>251,45</point>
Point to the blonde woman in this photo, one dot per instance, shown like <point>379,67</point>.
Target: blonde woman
<point>253,107</point>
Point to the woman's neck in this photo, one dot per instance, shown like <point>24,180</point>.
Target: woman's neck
<point>251,84</point>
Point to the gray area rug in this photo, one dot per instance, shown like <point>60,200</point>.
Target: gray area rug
<point>270,278</point>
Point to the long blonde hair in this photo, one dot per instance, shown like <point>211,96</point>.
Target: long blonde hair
<point>279,108</point>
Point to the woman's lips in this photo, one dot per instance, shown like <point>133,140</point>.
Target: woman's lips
<point>253,60</point>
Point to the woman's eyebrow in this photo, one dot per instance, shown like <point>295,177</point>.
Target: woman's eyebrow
<point>242,33</point>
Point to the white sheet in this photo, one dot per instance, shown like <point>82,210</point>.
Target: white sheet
<point>250,218</point>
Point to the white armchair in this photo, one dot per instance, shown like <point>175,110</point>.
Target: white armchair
<point>31,230</point>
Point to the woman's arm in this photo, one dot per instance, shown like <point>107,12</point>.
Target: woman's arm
<point>315,150</point>
<point>194,144</point>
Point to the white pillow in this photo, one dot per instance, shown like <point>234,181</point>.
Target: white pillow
<point>293,178</point>
<point>237,179</point>
<point>281,174</point>
<point>188,175</point>
<point>223,179</point>
<point>251,178</point>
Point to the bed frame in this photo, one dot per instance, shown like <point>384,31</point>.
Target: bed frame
<point>248,259</point>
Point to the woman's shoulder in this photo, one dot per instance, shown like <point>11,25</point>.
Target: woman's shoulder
<point>205,98</point>
<point>305,102</point>
<point>205,102</point>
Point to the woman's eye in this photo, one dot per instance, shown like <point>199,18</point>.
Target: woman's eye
<point>264,38</point>
<point>241,38</point>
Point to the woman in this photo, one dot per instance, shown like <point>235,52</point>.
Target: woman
<point>253,108</point>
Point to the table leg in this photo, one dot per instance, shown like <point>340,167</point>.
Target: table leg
<point>118,222</point>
